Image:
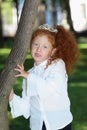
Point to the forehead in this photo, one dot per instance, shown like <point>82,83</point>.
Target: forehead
<point>49,36</point>
<point>42,39</point>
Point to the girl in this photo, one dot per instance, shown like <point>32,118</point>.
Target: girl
<point>44,97</point>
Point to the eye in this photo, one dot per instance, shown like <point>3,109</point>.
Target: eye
<point>35,44</point>
<point>45,47</point>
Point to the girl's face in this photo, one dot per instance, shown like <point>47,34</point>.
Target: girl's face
<point>41,49</point>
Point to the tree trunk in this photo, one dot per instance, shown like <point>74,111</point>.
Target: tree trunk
<point>17,55</point>
<point>1,34</point>
<point>69,19</point>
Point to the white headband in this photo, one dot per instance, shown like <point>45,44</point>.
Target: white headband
<point>47,27</point>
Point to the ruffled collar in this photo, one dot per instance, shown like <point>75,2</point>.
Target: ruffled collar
<point>44,63</point>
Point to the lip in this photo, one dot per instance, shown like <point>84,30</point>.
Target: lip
<point>37,55</point>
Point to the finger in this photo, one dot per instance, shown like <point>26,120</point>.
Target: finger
<point>19,66</point>
<point>18,70</point>
<point>18,75</point>
<point>22,66</point>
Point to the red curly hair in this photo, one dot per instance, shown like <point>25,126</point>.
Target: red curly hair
<point>64,42</point>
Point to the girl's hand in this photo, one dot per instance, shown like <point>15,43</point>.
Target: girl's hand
<point>11,95</point>
<point>22,72</point>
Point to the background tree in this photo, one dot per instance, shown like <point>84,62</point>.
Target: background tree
<point>17,55</point>
<point>54,12</point>
<point>66,6</point>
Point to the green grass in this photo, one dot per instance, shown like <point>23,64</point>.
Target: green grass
<point>77,91</point>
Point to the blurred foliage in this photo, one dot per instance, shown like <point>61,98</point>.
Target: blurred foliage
<point>7,11</point>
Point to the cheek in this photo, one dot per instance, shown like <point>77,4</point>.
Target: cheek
<point>32,51</point>
<point>48,54</point>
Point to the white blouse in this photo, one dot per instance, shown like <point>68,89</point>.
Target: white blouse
<point>44,97</point>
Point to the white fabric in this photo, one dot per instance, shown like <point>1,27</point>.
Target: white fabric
<point>44,97</point>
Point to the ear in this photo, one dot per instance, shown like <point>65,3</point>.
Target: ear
<point>53,51</point>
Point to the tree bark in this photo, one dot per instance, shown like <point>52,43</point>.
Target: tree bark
<point>69,19</point>
<point>1,33</point>
<point>16,56</point>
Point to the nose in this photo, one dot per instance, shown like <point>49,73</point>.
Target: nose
<point>38,48</point>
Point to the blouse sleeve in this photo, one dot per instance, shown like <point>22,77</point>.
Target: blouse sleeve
<point>55,82</point>
<point>20,106</point>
